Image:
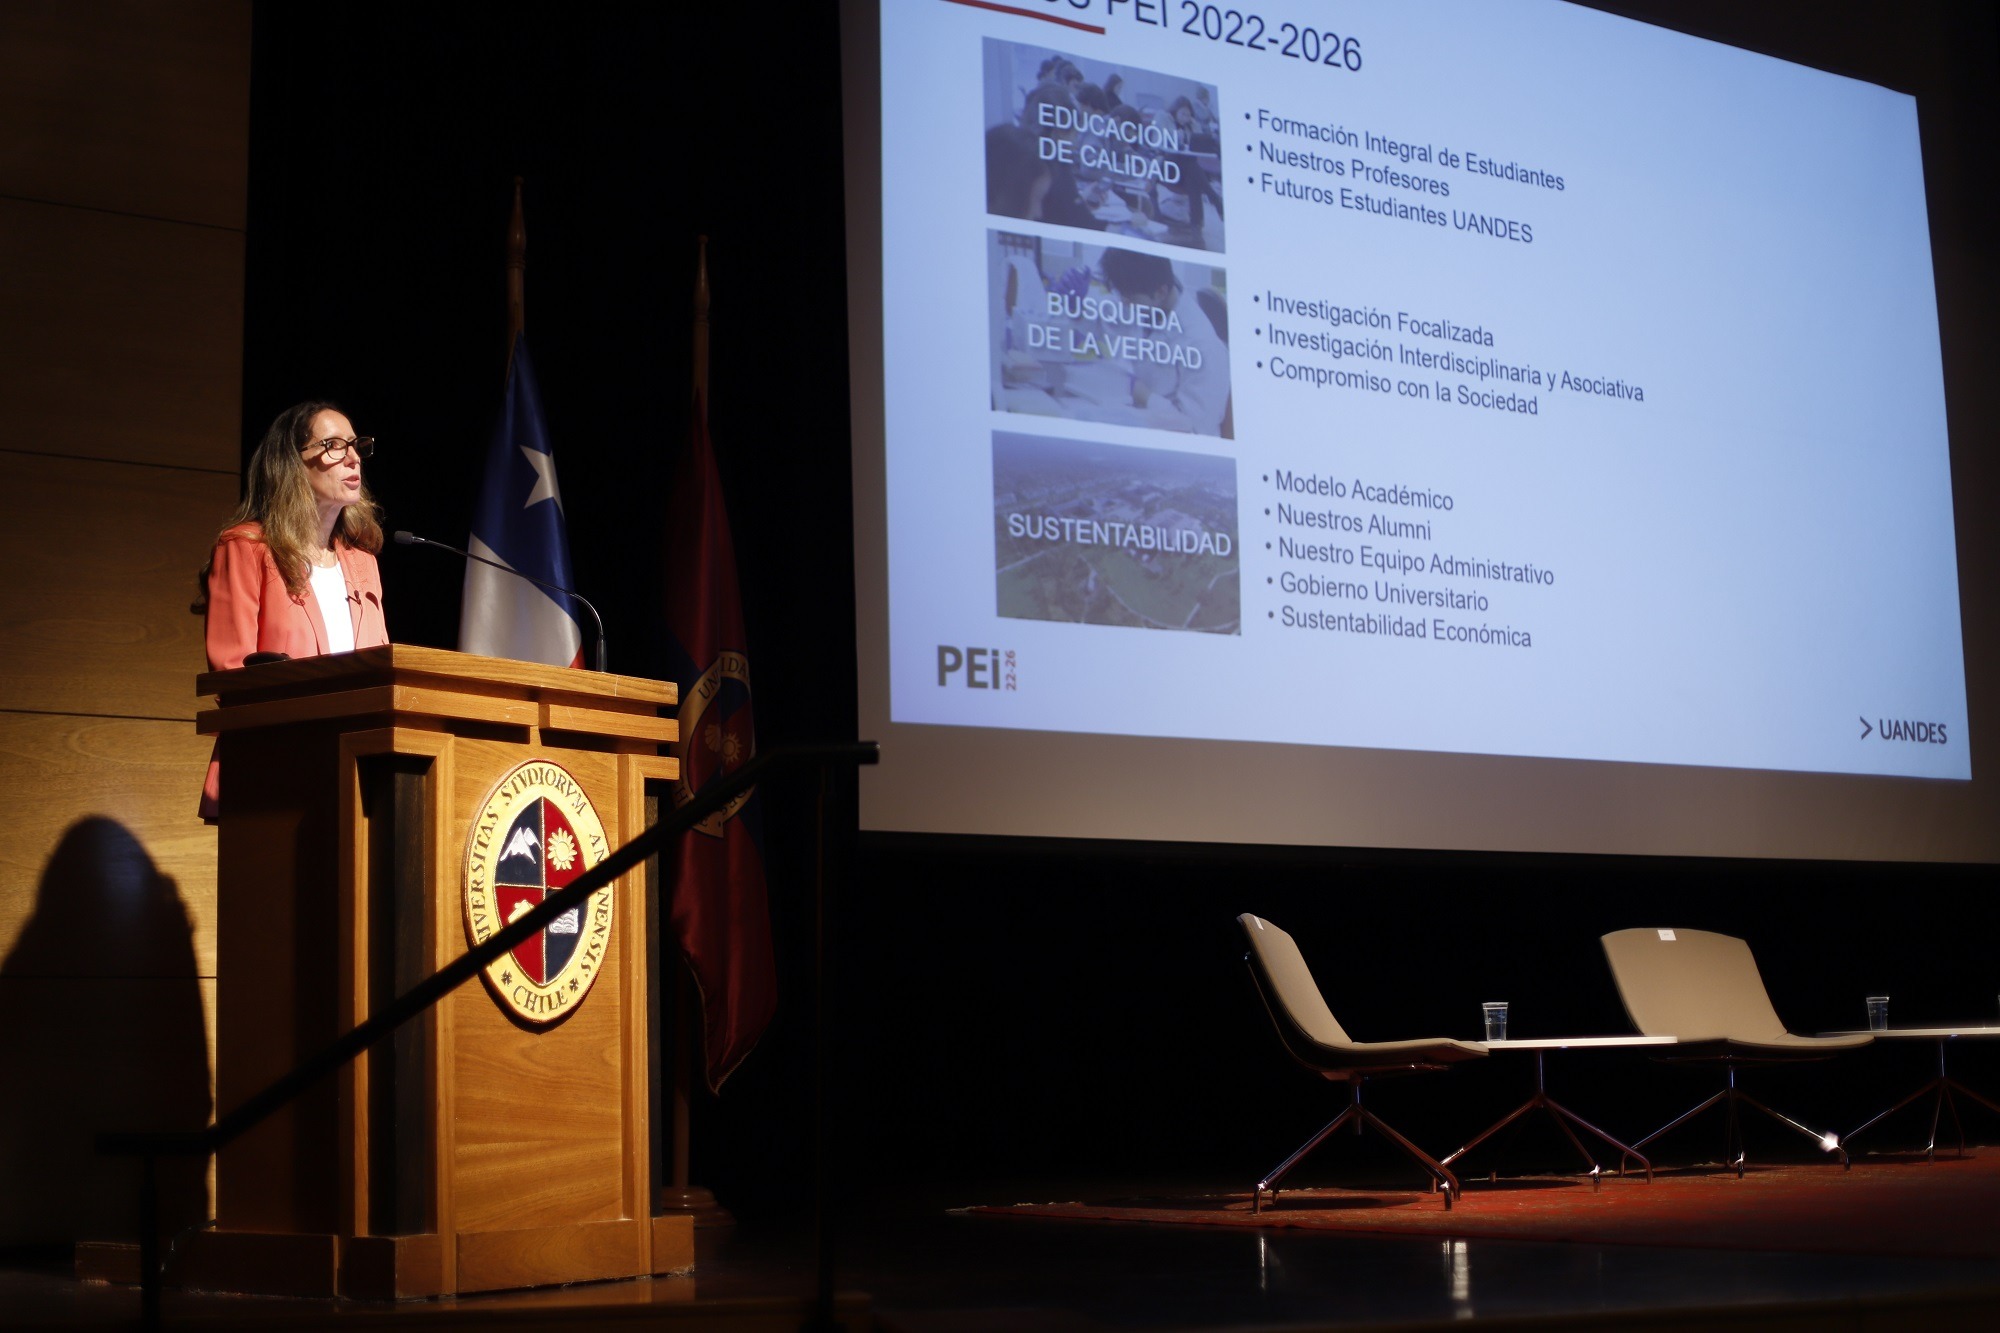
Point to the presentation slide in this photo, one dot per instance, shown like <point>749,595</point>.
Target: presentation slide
<point>1474,379</point>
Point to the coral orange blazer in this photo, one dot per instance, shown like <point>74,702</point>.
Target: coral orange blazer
<point>251,611</point>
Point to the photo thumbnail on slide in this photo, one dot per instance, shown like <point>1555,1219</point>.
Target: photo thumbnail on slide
<point>1081,143</point>
<point>1099,333</point>
<point>1108,534</point>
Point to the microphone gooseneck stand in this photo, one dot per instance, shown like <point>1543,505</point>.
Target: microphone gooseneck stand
<point>599,656</point>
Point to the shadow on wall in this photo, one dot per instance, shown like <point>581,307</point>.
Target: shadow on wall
<point>101,1028</point>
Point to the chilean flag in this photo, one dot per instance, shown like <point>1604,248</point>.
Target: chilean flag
<point>721,915</point>
<point>519,522</point>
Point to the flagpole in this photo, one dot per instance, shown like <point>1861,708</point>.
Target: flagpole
<point>701,324</point>
<point>517,276</point>
<point>677,1195</point>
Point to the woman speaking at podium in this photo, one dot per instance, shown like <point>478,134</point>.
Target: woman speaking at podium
<point>293,570</point>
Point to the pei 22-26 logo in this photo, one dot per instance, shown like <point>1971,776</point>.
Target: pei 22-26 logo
<point>978,668</point>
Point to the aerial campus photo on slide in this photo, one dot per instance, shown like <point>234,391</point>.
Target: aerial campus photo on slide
<point>1106,534</point>
<point>1507,380</point>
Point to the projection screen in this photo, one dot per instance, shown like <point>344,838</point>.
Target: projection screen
<point>1442,425</point>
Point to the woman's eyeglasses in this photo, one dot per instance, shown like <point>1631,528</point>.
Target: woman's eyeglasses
<point>335,449</point>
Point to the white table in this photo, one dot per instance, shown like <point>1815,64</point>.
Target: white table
<point>1562,1115</point>
<point>1942,1084</point>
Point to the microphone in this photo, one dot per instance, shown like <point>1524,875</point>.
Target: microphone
<point>412,539</point>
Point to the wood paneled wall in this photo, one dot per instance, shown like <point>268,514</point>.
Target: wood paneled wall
<point>124,146</point>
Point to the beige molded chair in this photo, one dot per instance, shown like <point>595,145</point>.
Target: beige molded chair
<point>1313,1037</point>
<point>1705,989</point>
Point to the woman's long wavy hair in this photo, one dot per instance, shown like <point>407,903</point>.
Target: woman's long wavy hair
<point>279,498</point>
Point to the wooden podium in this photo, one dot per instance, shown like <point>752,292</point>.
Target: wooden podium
<point>479,1148</point>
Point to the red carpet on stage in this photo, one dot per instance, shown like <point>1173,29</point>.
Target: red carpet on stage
<point>1950,1207</point>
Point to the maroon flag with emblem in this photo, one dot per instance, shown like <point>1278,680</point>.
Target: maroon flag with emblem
<point>721,914</point>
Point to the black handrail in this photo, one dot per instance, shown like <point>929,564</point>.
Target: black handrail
<point>260,1105</point>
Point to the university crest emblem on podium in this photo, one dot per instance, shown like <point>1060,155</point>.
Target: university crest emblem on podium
<point>535,834</point>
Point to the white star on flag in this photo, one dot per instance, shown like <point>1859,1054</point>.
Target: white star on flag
<point>545,479</point>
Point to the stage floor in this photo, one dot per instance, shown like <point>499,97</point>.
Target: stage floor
<point>926,1267</point>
